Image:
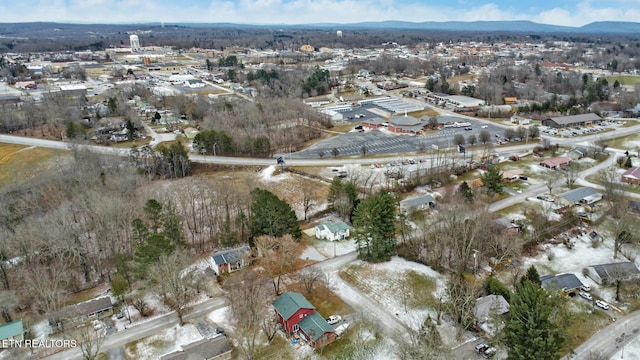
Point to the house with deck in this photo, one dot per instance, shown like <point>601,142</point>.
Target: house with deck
<point>296,315</point>
<point>74,315</point>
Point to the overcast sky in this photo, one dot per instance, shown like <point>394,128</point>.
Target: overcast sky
<point>557,12</point>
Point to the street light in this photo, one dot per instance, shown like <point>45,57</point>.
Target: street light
<point>475,264</point>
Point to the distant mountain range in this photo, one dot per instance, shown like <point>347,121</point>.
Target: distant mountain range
<point>601,27</point>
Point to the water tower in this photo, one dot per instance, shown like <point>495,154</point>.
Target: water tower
<point>135,42</point>
<point>339,33</point>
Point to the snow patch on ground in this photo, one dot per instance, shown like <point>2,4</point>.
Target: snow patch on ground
<point>335,248</point>
<point>583,254</point>
<point>166,341</point>
<point>266,175</point>
<point>311,253</point>
<point>221,317</point>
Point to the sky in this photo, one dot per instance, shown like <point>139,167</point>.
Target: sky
<point>556,12</point>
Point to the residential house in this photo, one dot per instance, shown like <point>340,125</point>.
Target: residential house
<point>486,308</point>
<point>515,119</point>
<point>556,163</point>
<point>332,231</point>
<point>506,226</point>
<point>511,175</point>
<point>577,152</point>
<point>231,260</point>
<point>632,176</point>
<point>296,315</point>
<point>74,315</point>
<point>417,203</point>
<point>582,195</point>
<point>572,120</point>
<point>216,347</point>
<point>569,283</point>
<point>608,273</point>
<point>12,331</point>
<point>315,329</point>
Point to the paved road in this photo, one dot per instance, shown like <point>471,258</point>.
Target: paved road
<point>121,338</point>
<point>608,341</point>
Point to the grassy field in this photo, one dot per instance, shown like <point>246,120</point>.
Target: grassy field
<point>21,162</point>
<point>624,79</point>
<point>583,324</point>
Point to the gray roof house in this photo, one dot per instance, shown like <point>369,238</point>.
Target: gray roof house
<point>580,195</point>
<point>608,273</point>
<point>564,282</point>
<point>417,203</point>
<point>229,260</point>
<point>578,152</point>
<point>206,349</point>
<point>82,312</point>
<point>486,308</point>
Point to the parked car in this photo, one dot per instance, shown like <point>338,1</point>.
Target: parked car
<point>586,287</point>
<point>484,126</point>
<point>490,352</point>
<point>334,319</point>
<point>601,304</point>
<point>480,348</point>
<point>585,295</point>
<point>545,198</point>
<point>97,324</point>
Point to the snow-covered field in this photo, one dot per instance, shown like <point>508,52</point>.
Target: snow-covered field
<point>164,342</point>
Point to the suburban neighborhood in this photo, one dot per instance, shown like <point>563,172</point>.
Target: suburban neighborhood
<point>306,198</point>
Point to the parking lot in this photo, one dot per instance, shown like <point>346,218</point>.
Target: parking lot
<point>380,142</point>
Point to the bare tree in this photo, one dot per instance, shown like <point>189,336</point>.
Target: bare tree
<point>277,256</point>
<point>8,302</point>
<point>571,173</point>
<point>550,178</point>
<point>471,139</point>
<point>89,340</point>
<point>335,152</point>
<point>309,198</point>
<point>177,283</point>
<point>484,136</point>
<point>249,300</point>
<point>310,277</point>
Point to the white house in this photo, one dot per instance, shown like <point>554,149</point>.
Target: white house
<point>332,231</point>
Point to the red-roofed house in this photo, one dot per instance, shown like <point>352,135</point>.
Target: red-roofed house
<point>632,176</point>
<point>556,163</point>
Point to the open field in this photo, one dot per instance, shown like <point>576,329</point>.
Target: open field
<point>20,162</point>
<point>624,79</point>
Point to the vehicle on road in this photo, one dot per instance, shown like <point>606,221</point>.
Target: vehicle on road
<point>334,319</point>
<point>545,198</point>
<point>602,305</point>
<point>585,295</point>
<point>484,126</point>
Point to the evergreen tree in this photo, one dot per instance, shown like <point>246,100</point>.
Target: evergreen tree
<point>492,180</point>
<point>534,329</point>
<point>172,225</point>
<point>150,251</point>
<point>465,191</point>
<point>272,216</point>
<point>532,276</point>
<point>343,197</point>
<point>153,211</point>
<point>374,222</point>
<point>628,163</point>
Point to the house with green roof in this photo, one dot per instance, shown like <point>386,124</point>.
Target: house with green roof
<point>332,231</point>
<point>12,331</point>
<point>296,315</point>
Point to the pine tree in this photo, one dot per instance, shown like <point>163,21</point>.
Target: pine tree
<point>532,275</point>
<point>628,163</point>
<point>272,216</point>
<point>534,329</point>
<point>465,191</point>
<point>374,222</point>
<point>492,180</point>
